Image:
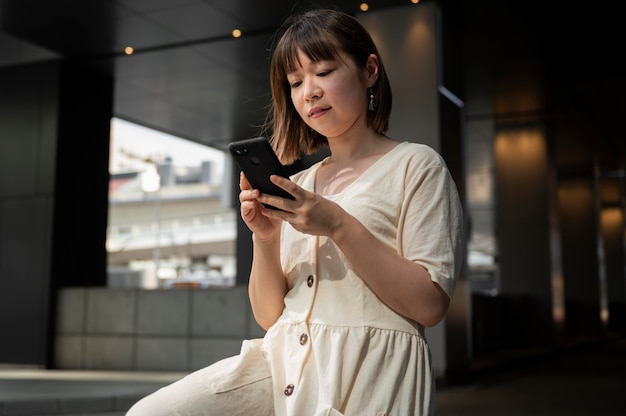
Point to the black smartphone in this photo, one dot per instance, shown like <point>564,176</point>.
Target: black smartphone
<point>256,158</point>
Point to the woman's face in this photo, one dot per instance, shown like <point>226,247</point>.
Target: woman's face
<point>330,96</point>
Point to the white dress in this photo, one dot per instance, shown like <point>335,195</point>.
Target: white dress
<point>337,349</point>
<point>336,345</point>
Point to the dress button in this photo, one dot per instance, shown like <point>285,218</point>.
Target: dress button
<point>303,339</point>
<point>309,281</point>
<point>289,390</point>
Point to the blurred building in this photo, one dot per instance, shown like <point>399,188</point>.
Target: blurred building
<point>181,233</point>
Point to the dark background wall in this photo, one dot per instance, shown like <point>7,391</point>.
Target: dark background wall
<point>54,135</point>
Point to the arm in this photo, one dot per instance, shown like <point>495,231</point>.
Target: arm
<point>429,253</point>
<point>268,285</point>
<point>413,294</point>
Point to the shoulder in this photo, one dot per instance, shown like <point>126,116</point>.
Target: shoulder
<point>419,155</point>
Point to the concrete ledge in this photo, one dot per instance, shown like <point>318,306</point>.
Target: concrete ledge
<point>151,330</point>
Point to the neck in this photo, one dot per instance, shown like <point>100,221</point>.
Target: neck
<point>344,150</point>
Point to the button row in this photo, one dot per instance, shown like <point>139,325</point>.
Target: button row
<point>304,338</point>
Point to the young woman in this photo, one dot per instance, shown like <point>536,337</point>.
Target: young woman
<point>345,277</point>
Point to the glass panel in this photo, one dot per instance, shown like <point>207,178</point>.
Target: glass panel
<point>169,225</point>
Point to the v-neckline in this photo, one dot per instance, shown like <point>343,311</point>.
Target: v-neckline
<point>357,179</point>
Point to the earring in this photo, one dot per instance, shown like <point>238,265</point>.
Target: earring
<point>372,104</point>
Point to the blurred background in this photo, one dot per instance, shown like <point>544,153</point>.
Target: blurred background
<point>120,242</point>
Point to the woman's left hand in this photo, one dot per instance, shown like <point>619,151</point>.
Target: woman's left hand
<point>309,213</point>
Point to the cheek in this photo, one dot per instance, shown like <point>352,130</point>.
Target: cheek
<point>298,104</point>
<point>349,90</point>
<point>296,101</point>
<point>351,97</point>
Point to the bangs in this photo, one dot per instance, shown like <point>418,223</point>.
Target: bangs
<point>316,44</point>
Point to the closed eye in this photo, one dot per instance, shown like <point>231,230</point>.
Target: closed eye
<point>296,84</point>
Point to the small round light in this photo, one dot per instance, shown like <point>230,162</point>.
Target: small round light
<point>236,33</point>
<point>129,50</point>
<point>364,7</point>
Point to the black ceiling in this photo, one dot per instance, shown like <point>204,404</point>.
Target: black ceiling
<point>189,77</point>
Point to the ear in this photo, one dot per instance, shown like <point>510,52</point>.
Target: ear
<point>371,70</point>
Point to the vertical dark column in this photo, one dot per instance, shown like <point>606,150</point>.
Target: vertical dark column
<point>82,179</point>
<point>54,129</point>
<point>244,252</point>
<point>577,210</point>
<point>28,107</point>
<point>523,230</point>
<point>79,257</point>
<point>613,225</point>
<point>452,148</point>
<point>243,243</point>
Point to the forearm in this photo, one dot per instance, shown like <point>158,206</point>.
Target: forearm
<point>267,286</point>
<point>401,284</point>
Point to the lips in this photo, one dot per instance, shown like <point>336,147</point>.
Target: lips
<point>318,111</point>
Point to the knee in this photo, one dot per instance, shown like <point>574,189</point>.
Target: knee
<point>149,406</point>
<point>138,409</point>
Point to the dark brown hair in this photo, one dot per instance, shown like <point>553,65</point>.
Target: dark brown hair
<point>321,35</point>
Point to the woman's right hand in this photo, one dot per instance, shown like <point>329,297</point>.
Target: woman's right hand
<point>263,227</point>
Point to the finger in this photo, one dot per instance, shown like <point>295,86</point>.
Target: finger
<point>275,208</point>
<point>248,195</point>
<point>243,182</point>
<point>246,207</point>
<point>277,202</point>
<point>287,185</point>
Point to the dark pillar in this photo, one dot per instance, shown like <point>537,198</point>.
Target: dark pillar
<point>54,129</point>
<point>82,179</point>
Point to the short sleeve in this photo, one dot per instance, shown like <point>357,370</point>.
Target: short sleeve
<point>430,231</point>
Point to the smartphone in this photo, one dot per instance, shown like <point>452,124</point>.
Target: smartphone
<point>256,158</point>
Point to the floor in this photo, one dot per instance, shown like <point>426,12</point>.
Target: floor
<point>583,380</point>
<point>589,379</point>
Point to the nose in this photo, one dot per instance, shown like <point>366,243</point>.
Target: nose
<point>311,89</point>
